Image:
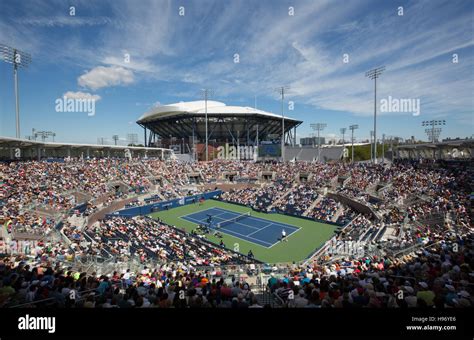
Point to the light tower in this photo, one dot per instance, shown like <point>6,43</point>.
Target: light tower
<point>383,148</point>
<point>374,74</point>
<point>281,90</point>
<point>19,59</point>
<point>352,128</point>
<point>44,134</point>
<point>318,127</point>
<point>343,131</point>
<point>433,133</point>
<point>371,145</point>
<point>206,93</point>
<point>132,138</point>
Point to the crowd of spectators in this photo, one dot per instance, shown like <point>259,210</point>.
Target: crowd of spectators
<point>33,194</point>
<point>438,276</point>
<point>148,238</point>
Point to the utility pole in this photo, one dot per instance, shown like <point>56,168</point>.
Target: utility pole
<point>115,138</point>
<point>374,74</point>
<point>352,128</point>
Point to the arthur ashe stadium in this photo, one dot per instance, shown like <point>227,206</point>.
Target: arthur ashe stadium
<point>182,127</point>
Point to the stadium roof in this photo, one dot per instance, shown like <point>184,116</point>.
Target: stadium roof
<point>198,107</point>
<point>186,121</point>
<point>18,142</point>
<point>54,149</point>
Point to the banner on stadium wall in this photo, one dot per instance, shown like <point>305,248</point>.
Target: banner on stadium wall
<point>165,205</point>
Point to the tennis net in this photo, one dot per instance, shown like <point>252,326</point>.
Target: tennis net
<point>231,220</point>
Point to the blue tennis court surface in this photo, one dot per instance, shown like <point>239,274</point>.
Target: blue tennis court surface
<point>257,230</point>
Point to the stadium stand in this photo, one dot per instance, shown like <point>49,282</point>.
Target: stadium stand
<point>58,235</point>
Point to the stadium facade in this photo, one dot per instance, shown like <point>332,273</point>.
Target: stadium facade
<point>24,149</point>
<point>182,126</point>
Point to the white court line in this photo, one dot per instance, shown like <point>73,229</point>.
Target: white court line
<point>290,226</point>
<point>243,237</point>
<point>245,225</point>
<point>187,218</point>
<point>262,228</point>
<point>290,234</point>
<point>197,212</point>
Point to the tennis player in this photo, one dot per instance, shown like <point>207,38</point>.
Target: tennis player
<point>283,236</point>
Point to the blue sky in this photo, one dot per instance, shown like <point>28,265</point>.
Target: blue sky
<point>172,57</point>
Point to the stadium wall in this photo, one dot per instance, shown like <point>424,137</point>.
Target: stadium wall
<point>165,205</point>
<point>357,206</point>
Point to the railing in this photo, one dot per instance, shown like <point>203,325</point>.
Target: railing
<point>31,303</point>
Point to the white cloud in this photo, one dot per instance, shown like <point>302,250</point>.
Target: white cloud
<point>102,76</point>
<point>62,21</point>
<point>81,95</point>
<point>136,63</point>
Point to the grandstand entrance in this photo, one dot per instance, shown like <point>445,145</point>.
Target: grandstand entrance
<point>303,177</point>
<point>267,176</point>
<point>230,176</point>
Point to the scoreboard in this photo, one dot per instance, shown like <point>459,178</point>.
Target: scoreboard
<point>269,150</point>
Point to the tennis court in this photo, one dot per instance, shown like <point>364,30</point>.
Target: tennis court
<point>256,230</point>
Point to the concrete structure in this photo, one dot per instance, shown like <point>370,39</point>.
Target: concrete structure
<point>312,141</point>
<point>328,153</point>
<point>447,150</point>
<point>24,149</point>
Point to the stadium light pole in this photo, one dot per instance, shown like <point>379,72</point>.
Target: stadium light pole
<point>44,135</point>
<point>343,131</point>
<point>352,128</point>
<point>371,145</point>
<point>132,138</point>
<point>433,133</point>
<point>281,90</point>
<point>115,138</point>
<point>383,148</point>
<point>19,59</point>
<point>374,74</point>
<point>206,93</point>
<point>318,127</point>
